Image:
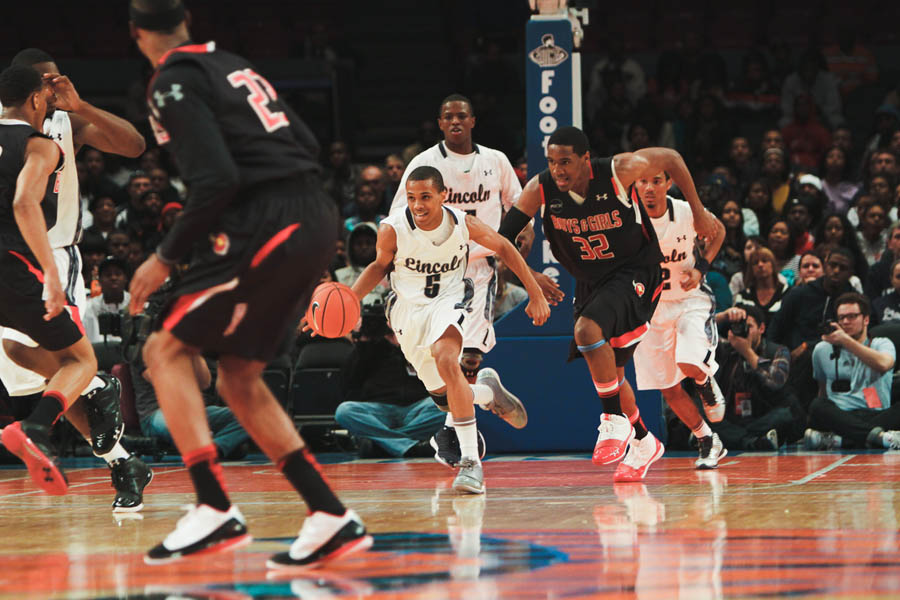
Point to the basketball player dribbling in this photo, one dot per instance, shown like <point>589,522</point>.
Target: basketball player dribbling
<point>425,249</point>
<point>481,182</point>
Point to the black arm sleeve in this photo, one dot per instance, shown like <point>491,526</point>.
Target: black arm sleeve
<point>513,224</point>
<point>183,103</point>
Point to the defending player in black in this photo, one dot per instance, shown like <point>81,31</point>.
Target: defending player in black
<point>261,232</point>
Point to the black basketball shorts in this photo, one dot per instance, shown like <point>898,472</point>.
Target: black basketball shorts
<point>622,306</point>
<point>22,304</point>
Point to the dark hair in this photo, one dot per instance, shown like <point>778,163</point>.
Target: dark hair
<point>112,261</point>
<point>843,252</point>
<point>570,136</point>
<point>30,57</point>
<point>160,16</point>
<point>848,239</point>
<point>846,172</point>
<point>754,312</point>
<point>854,298</point>
<point>792,237</point>
<point>456,98</point>
<point>17,84</point>
<point>424,173</point>
<point>811,253</point>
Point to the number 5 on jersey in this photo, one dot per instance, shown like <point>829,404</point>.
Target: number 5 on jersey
<point>432,285</point>
<point>261,93</point>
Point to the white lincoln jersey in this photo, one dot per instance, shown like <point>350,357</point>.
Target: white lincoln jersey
<point>67,229</point>
<point>482,184</point>
<point>676,234</point>
<point>423,270</point>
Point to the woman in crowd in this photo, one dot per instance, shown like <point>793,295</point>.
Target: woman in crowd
<point>836,229</point>
<point>836,180</point>
<point>764,287</point>
<point>782,241</point>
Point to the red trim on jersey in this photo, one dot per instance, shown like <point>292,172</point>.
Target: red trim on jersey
<point>657,291</point>
<point>181,308</point>
<point>273,242</point>
<point>75,314</point>
<point>626,338</point>
<point>591,168</point>
<point>541,187</point>
<point>34,270</point>
<point>615,186</point>
<point>193,49</point>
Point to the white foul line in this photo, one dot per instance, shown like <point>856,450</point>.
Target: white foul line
<point>823,470</point>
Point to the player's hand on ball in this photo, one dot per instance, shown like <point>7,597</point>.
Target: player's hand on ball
<point>539,311</point>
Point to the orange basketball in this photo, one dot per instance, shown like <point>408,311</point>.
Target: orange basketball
<point>333,311</point>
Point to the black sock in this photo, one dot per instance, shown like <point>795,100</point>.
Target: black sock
<point>48,409</point>
<point>706,391</point>
<point>640,430</point>
<point>206,473</point>
<point>302,470</point>
<point>612,405</point>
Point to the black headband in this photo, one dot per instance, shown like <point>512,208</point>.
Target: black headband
<point>158,21</point>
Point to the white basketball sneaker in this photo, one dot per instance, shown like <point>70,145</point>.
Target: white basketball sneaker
<point>324,537</point>
<point>711,451</point>
<point>203,530</point>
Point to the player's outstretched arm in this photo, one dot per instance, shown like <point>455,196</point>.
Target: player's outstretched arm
<point>41,158</point>
<point>93,126</point>
<point>707,252</point>
<point>514,225</point>
<point>385,250</point>
<point>631,166</point>
<point>537,308</point>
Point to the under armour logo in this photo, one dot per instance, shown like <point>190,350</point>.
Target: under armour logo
<point>399,332</point>
<point>488,172</point>
<point>601,197</point>
<point>174,93</point>
<point>461,246</point>
<point>680,238</point>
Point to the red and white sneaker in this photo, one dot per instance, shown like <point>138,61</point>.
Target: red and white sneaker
<point>31,443</point>
<point>203,530</point>
<point>615,433</point>
<point>641,454</point>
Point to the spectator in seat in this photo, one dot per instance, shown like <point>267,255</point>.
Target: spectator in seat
<point>368,208</point>
<point>764,287</point>
<point>361,251</point>
<point>341,176</point>
<point>387,409</point>
<point>887,307</point>
<point>138,185</point>
<point>775,171</point>
<point>853,408</point>
<point>393,167</point>
<point>113,300</point>
<point>806,138</point>
<point>812,79</point>
<point>878,278</point>
<point>836,229</point>
<point>103,208</point>
<point>761,411</point>
<point>836,180</point>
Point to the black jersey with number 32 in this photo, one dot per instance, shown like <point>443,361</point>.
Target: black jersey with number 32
<point>14,136</point>
<point>604,233</point>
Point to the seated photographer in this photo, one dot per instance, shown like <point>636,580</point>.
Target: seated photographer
<point>387,409</point>
<point>855,373</point>
<point>229,437</point>
<point>102,314</point>
<point>761,410</point>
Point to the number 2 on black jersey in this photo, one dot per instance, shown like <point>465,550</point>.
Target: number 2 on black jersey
<point>261,93</point>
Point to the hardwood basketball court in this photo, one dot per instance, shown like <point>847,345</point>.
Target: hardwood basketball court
<point>817,525</point>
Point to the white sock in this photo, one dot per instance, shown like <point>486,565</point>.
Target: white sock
<point>702,431</point>
<point>483,395</point>
<point>467,434</point>
<point>95,384</point>
<point>117,452</point>
<point>448,421</point>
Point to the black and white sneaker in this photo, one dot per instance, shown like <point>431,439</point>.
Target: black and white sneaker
<point>104,415</point>
<point>713,400</point>
<point>711,452</point>
<point>129,476</point>
<point>203,530</point>
<point>324,537</point>
<point>446,447</point>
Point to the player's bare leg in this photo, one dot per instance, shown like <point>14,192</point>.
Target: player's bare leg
<point>615,429</point>
<point>461,400</point>
<point>708,389</point>
<point>330,531</point>
<point>30,439</point>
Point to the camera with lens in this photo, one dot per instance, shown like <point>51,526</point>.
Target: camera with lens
<point>110,324</point>
<point>374,322</point>
<point>825,327</point>
<point>739,328</point>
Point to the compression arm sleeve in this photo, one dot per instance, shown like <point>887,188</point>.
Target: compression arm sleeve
<point>513,224</point>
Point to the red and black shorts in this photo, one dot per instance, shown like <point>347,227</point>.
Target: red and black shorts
<point>244,301</point>
<point>622,306</point>
<point>22,305</point>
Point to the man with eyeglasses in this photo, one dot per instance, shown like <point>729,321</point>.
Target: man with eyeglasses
<point>853,409</point>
